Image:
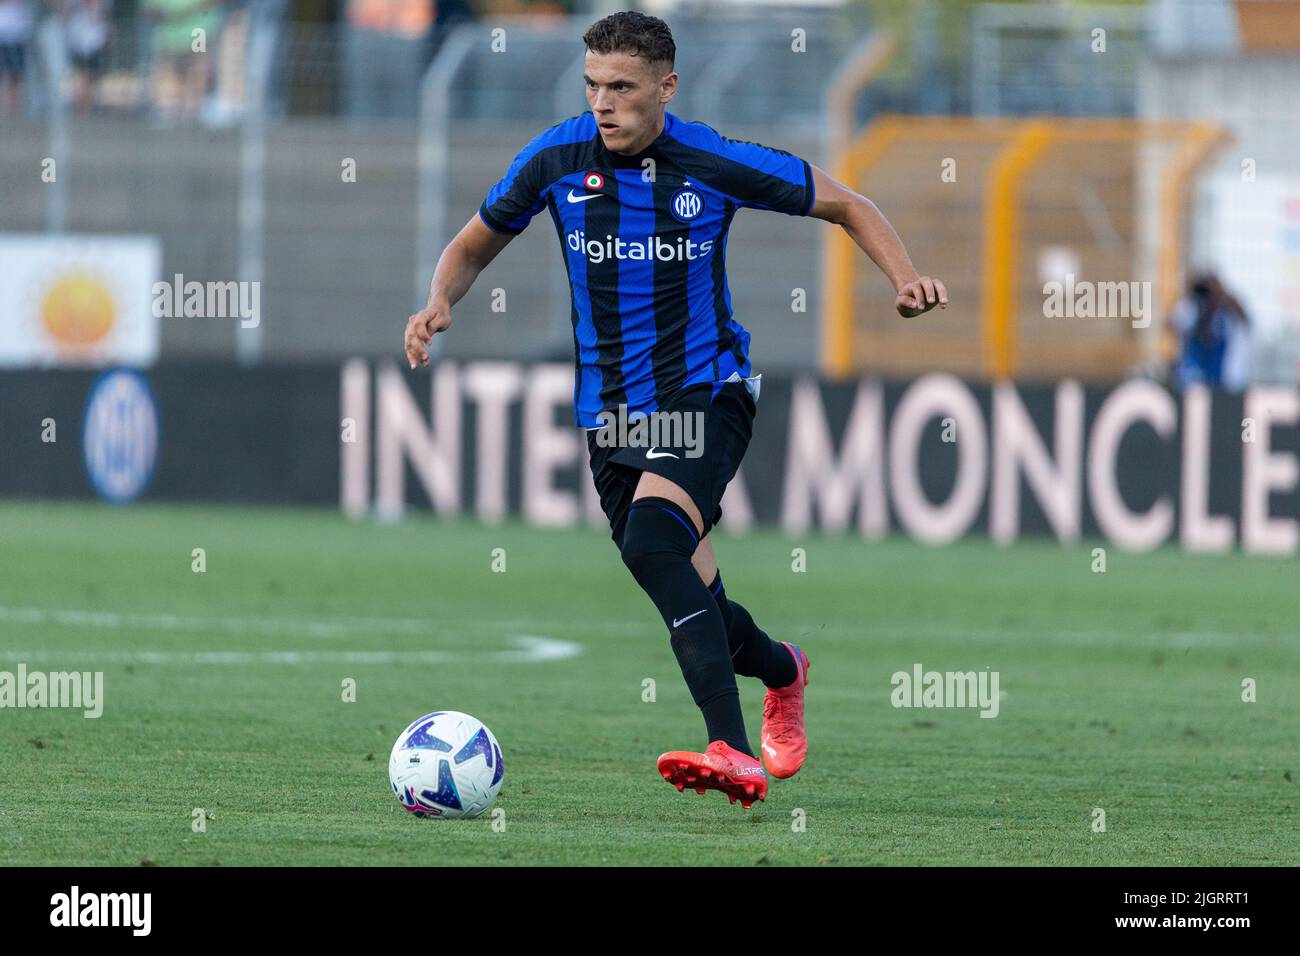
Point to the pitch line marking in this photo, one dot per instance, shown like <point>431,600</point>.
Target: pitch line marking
<point>524,648</point>
<point>333,627</point>
<point>527,649</point>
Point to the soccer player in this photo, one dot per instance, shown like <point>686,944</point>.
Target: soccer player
<point>642,202</point>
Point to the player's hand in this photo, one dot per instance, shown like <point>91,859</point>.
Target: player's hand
<point>920,296</point>
<point>422,327</point>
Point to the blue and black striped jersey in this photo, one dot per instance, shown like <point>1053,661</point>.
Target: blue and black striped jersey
<point>645,245</point>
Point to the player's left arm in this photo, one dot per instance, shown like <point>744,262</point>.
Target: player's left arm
<point>869,228</point>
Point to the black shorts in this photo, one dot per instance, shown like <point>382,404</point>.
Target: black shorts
<point>727,423</point>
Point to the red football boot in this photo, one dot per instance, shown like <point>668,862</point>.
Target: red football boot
<point>720,767</point>
<point>785,742</point>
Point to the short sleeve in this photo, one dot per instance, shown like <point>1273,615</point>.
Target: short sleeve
<point>513,202</point>
<point>761,177</point>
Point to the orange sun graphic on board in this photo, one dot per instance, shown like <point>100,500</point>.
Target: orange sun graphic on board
<point>77,311</point>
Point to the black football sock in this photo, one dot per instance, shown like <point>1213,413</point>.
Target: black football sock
<point>657,546</point>
<point>753,653</point>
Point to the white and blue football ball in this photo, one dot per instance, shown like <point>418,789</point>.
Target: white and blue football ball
<point>446,764</point>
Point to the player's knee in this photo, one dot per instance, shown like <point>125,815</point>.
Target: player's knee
<point>636,553</point>
<point>657,533</point>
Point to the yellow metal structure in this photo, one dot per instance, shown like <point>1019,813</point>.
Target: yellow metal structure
<point>980,202</point>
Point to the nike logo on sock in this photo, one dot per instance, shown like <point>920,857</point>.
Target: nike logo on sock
<point>679,623</point>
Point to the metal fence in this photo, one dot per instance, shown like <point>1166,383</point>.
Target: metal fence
<point>1056,60</point>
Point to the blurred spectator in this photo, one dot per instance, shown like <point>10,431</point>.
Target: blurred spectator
<point>85,31</point>
<point>228,95</point>
<point>247,28</point>
<point>16,23</point>
<point>385,56</point>
<point>1214,337</point>
<point>181,73</point>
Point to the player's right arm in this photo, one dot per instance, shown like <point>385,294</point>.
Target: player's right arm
<point>459,265</point>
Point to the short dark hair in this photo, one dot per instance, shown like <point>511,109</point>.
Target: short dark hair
<point>636,33</point>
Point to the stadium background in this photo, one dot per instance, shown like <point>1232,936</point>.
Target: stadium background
<point>1011,144</point>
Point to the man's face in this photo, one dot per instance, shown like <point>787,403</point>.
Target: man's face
<point>627,95</point>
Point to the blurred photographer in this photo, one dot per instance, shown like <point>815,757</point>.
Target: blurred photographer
<point>1214,337</point>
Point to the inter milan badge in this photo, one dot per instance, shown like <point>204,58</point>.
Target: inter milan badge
<point>687,205</point>
<point>594,181</point>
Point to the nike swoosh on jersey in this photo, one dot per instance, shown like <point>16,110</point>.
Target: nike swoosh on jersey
<point>574,198</point>
<point>662,454</point>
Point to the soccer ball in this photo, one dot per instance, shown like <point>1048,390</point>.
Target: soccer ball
<point>446,764</point>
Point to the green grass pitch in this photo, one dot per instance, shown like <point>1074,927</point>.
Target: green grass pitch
<point>223,691</point>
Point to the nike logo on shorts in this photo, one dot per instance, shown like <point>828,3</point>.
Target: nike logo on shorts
<point>662,454</point>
